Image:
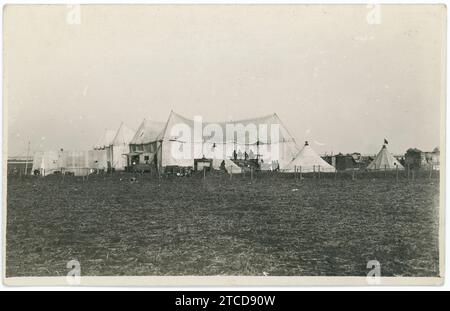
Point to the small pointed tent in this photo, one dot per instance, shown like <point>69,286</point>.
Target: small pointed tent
<point>307,160</point>
<point>384,161</point>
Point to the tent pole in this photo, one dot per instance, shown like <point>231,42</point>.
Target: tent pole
<point>26,160</point>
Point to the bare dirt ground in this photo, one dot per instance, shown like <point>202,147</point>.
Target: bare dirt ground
<point>275,225</point>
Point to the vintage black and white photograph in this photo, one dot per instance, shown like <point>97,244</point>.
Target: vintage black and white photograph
<point>225,144</point>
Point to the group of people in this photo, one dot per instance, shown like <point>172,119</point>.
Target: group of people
<point>243,156</point>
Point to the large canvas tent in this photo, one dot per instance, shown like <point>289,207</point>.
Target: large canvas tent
<point>144,144</point>
<point>385,161</point>
<point>105,143</point>
<point>119,147</point>
<point>307,160</point>
<point>106,139</point>
<point>182,140</point>
<point>116,144</point>
<point>179,140</point>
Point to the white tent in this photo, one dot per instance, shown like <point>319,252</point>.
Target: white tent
<point>106,139</point>
<point>105,143</point>
<point>307,160</point>
<point>120,146</point>
<point>385,161</point>
<point>266,137</point>
<point>116,144</point>
<point>148,132</point>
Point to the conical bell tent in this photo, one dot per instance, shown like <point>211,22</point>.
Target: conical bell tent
<point>307,160</point>
<point>385,161</point>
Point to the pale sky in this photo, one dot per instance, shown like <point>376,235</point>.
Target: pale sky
<point>333,74</point>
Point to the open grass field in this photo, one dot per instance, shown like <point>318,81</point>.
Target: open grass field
<point>189,226</point>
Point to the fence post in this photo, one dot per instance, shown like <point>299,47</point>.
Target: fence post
<point>301,173</point>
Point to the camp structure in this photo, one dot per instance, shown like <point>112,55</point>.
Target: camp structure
<point>180,141</point>
<point>144,145</point>
<point>384,161</point>
<point>104,143</point>
<point>184,140</point>
<point>116,145</point>
<point>79,163</point>
<point>307,160</point>
<point>119,147</point>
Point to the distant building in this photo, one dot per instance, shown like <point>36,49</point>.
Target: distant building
<point>417,159</point>
<point>344,162</point>
<point>20,165</point>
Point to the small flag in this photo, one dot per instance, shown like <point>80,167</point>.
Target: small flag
<point>385,141</point>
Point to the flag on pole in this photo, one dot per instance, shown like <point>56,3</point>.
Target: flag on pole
<point>385,141</point>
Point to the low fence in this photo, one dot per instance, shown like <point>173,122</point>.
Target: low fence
<point>249,175</point>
